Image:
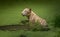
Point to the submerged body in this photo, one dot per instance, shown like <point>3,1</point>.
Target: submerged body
<point>33,18</point>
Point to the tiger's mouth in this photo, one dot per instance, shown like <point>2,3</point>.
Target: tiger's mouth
<point>22,15</point>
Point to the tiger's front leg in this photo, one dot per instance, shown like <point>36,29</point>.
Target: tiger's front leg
<point>31,22</point>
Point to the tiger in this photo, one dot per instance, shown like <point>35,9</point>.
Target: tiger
<point>33,17</point>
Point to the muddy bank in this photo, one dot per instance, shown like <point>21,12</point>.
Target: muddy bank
<point>14,27</point>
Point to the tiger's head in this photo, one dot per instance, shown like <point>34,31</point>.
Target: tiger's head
<point>26,12</point>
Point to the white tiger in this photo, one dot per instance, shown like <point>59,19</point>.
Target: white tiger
<point>32,17</point>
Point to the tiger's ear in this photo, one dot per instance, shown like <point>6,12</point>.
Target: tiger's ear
<point>30,9</point>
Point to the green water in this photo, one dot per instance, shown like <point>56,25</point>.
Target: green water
<point>10,13</point>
